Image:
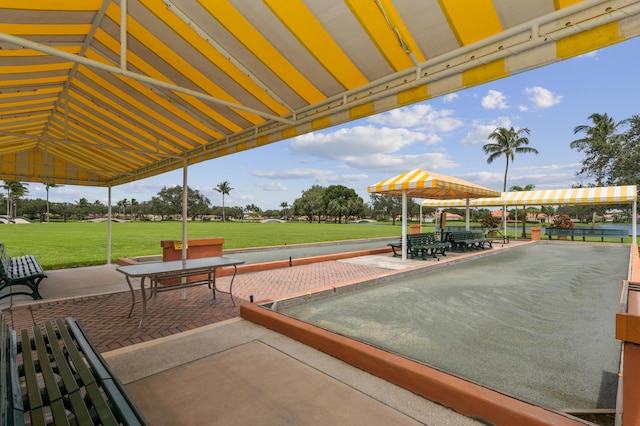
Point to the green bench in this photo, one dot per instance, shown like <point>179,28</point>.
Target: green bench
<point>461,240</point>
<point>20,271</point>
<point>587,232</point>
<point>468,240</point>
<point>52,374</point>
<point>482,240</point>
<point>423,245</point>
<point>398,246</point>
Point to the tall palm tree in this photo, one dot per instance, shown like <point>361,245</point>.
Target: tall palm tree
<point>284,206</point>
<point>601,147</point>
<point>598,144</point>
<point>529,187</point>
<point>46,187</point>
<point>507,142</point>
<point>15,190</point>
<point>224,188</point>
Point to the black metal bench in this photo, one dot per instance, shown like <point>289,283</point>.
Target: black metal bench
<point>587,232</point>
<point>52,374</point>
<point>20,271</point>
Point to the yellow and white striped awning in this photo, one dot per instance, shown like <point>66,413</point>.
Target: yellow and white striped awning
<point>599,195</point>
<point>422,184</point>
<point>104,92</point>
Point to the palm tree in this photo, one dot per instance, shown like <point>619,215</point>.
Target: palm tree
<point>46,187</point>
<point>224,188</point>
<point>284,206</point>
<point>598,144</point>
<point>508,142</point>
<point>600,147</point>
<point>15,190</point>
<point>529,187</point>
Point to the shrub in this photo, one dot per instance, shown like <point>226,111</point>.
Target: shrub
<point>490,222</point>
<point>562,222</point>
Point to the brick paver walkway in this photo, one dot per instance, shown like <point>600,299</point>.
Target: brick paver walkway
<point>104,317</point>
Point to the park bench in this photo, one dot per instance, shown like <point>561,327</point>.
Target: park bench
<point>424,245</point>
<point>52,374</point>
<point>398,246</point>
<point>20,271</point>
<point>461,240</point>
<point>587,232</point>
<point>482,240</point>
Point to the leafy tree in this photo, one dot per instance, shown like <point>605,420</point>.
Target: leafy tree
<point>310,204</point>
<point>169,201</point>
<point>384,205</point>
<point>529,187</point>
<point>224,188</point>
<point>338,201</point>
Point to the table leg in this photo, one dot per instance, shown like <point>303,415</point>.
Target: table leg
<point>230,292</point>
<point>133,296</point>
<point>144,302</point>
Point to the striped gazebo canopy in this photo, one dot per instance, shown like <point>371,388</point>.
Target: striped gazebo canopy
<point>598,195</point>
<point>423,184</point>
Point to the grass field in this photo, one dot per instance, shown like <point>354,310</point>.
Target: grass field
<point>72,244</point>
<point>66,245</point>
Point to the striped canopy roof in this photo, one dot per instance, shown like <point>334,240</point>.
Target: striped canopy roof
<point>600,195</point>
<point>422,184</point>
<point>104,92</point>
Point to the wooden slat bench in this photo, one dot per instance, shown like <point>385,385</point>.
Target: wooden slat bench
<point>52,374</point>
<point>20,271</point>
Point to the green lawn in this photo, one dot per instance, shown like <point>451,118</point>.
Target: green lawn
<point>64,245</point>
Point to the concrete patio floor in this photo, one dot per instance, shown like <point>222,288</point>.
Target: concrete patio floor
<point>196,362</point>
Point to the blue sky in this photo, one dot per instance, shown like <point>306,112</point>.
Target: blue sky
<point>444,135</point>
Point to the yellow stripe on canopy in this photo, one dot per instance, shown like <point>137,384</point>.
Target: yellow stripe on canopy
<point>422,184</point>
<point>598,195</point>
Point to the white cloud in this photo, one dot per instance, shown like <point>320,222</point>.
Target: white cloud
<point>422,117</point>
<point>480,131</point>
<point>272,186</point>
<point>542,98</point>
<point>297,173</point>
<point>495,100</point>
<point>359,140</point>
<point>450,98</point>
<point>402,163</point>
<point>589,55</point>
